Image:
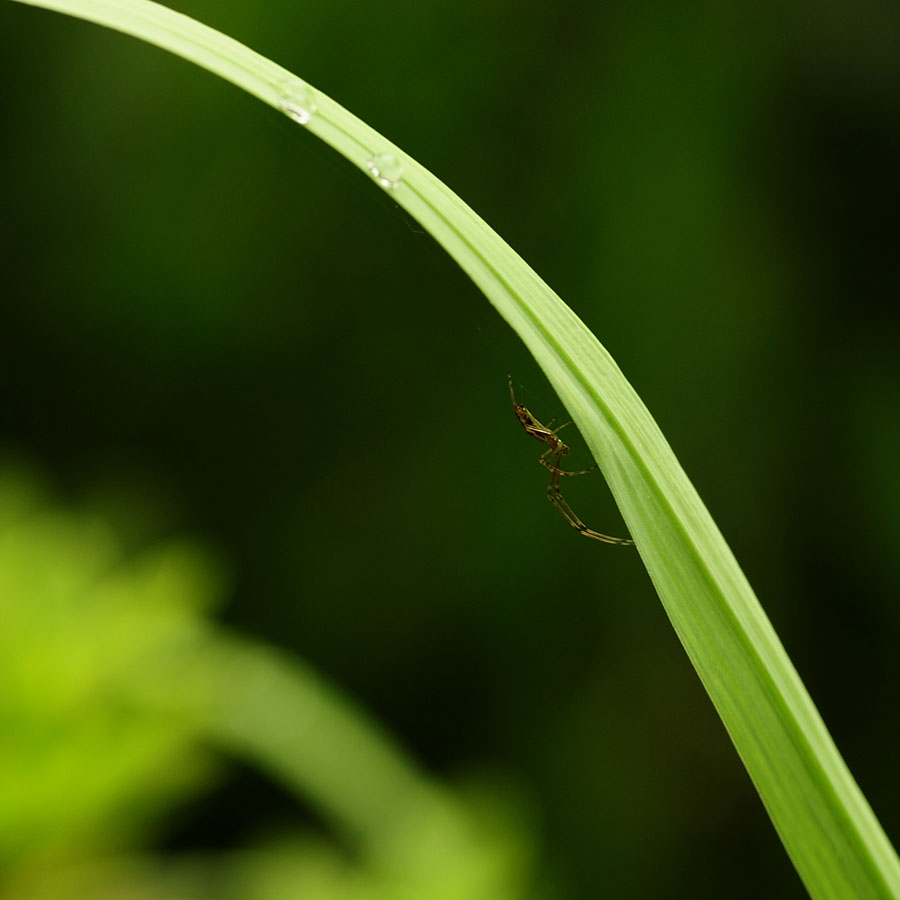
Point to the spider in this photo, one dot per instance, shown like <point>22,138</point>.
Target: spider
<point>556,450</point>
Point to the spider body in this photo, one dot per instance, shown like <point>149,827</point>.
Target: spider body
<point>552,459</point>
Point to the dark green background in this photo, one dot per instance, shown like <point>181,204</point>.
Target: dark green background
<point>205,308</point>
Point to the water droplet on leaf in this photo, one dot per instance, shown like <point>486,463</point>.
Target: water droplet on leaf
<point>386,169</point>
<point>298,101</point>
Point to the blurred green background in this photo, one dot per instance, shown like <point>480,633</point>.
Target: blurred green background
<point>213,327</point>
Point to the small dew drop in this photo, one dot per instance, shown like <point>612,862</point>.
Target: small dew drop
<point>386,169</point>
<point>298,102</point>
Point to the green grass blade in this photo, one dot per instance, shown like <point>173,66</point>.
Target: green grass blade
<point>824,821</point>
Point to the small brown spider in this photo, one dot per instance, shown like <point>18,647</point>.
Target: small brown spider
<point>551,459</point>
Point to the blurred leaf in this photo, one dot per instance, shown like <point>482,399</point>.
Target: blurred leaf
<point>82,763</point>
<point>111,678</point>
<point>406,830</point>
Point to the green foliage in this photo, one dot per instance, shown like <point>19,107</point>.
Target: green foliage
<point>84,763</point>
<point>115,691</point>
